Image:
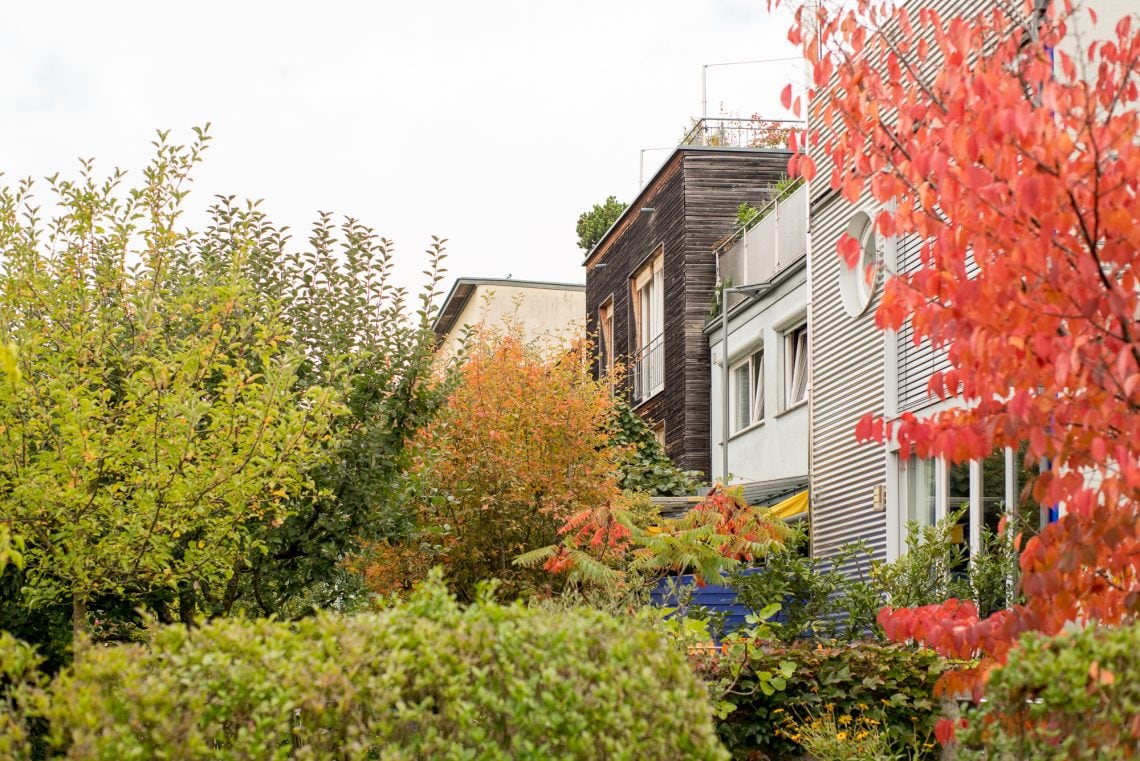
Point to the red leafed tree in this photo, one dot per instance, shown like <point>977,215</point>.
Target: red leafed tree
<point>1011,149</point>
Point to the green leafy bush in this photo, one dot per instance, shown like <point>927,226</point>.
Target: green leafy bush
<point>1076,695</point>
<point>646,468</point>
<point>839,597</point>
<point>868,682</point>
<point>816,597</point>
<point>423,679</point>
<point>19,677</point>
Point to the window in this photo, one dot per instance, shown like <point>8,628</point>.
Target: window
<point>648,302</point>
<point>747,392</point>
<point>985,489</point>
<point>920,491</point>
<point>795,366</point>
<point>659,433</point>
<point>857,284</point>
<point>606,337</point>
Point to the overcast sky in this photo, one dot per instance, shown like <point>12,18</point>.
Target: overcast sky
<point>493,124</point>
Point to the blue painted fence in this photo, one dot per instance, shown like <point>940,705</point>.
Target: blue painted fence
<point>716,599</point>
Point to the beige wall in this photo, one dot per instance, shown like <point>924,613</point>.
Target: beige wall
<point>547,315</point>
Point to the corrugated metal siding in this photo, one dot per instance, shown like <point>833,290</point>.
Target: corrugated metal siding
<point>848,364</point>
<point>916,363</point>
<point>847,382</point>
<point>947,9</point>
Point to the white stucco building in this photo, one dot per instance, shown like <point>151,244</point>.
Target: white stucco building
<point>759,409</point>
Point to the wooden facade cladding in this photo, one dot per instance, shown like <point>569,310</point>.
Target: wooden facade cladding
<point>683,211</point>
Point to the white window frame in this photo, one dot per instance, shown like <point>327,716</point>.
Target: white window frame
<point>647,291</point>
<point>976,509</point>
<point>857,285</point>
<point>796,365</point>
<point>750,398</point>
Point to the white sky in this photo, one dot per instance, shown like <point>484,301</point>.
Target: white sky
<point>493,124</point>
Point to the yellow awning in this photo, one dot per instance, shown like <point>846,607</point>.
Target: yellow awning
<point>790,507</point>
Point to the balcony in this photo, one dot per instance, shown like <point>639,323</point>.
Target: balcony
<point>775,235</point>
<point>649,370</point>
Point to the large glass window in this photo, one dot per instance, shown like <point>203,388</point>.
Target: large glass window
<point>748,392</point>
<point>995,494</point>
<point>984,491</point>
<point>920,491</point>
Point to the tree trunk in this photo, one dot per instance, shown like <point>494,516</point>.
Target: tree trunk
<point>187,603</point>
<point>78,619</point>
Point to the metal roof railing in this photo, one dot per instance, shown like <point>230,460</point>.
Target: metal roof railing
<point>737,132</point>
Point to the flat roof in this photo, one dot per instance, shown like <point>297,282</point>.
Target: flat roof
<point>650,188</point>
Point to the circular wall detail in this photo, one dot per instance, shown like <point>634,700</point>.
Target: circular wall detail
<point>857,285</point>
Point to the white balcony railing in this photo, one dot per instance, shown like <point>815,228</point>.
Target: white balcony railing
<point>649,369</point>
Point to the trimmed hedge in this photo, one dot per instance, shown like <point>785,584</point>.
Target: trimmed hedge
<point>424,679</point>
<point>1076,695</point>
<point>19,680</point>
<point>889,684</point>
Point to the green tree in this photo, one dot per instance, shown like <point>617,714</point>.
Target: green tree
<point>203,422</point>
<point>157,420</point>
<point>592,224</point>
<point>371,340</point>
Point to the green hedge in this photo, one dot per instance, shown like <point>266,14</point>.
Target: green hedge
<point>425,679</point>
<point>1072,696</point>
<point>889,684</point>
<point>19,682</point>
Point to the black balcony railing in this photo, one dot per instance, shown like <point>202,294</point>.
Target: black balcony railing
<point>649,369</point>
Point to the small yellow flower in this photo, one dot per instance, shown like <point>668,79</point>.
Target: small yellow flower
<point>862,706</point>
<point>844,720</point>
<point>840,736</point>
<point>872,722</point>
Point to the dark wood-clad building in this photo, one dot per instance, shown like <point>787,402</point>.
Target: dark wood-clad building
<point>650,284</point>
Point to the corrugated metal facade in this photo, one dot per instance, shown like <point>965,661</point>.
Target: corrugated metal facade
<point>916,363</point>
<point>849,364</point>
<point>848,381</point>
